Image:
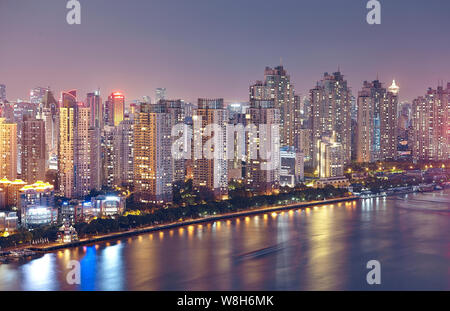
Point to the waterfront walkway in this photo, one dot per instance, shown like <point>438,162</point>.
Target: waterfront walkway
<point>119,235</point>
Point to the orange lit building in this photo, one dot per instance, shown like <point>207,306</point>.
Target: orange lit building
<point>115,107</point>
<point>8,149</point>
<point>11,190</point>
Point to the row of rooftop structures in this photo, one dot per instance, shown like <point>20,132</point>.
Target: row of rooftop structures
<point>33,205</point>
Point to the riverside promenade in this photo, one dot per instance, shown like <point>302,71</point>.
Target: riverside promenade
<point>118,235</point>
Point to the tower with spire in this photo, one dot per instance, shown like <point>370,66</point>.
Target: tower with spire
<point>394,88</point>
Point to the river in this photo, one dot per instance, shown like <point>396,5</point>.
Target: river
<point>325,247</point>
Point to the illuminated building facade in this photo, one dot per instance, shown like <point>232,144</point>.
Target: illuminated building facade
<point>38,204</point>
<point>377,122</point>
<point>331,113</point>
<point>210,163</point>
<point>365,127</point>
<point>277,87</point>
<point>33,150</point>
<point>8,149</point>
<point>11,190</point>
<point>8,221</point>
<point>115,109</point>
<point>74,154</point>
<point>430,123</point>
<point>66,143</point>
<point>49,114</point>
<point>110,158</point>
<point>262,171</point>
<point>94,102</point>
<point>330,158</point>
<point>177,114</point>
<point>291,166</point>
<point>95,158</point>
<point>82,151</point>
<point>123,148</point>
<point>152,155</point>
<point>108,205</point>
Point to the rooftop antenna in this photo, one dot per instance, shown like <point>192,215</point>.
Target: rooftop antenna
<point>281,61</point>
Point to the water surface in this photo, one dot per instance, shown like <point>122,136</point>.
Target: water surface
<point>320,248</point>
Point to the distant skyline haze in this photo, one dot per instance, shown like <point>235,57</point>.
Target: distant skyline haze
<point>214,49</point>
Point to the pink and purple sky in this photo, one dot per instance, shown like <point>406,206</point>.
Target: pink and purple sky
<point>211,48</point>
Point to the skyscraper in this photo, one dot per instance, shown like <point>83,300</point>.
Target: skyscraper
<point>95,162</point>
<point>74,148</point>
<point>33,150</point>
<point>388,124</point>
<point>176,110</point>
<point>8,149</point>
<point>2,93</point>
<point>277,87</point>
<point>377,122</point>
<point>115,109</point>
<point>94,102</point>
<point>118,154</point>
<point>125,147</point>
<point>49,114</point>
<point>430,123</point>
<point>66,143</point>
<point>331,113</point>
<point>82,151</point>
<point>152,155</point>
<point>110,157</point>
<point>262,170</point>
<point>365,127</point>
<point>160,94</point>
<point>37,95</point>
<point>210,161</point>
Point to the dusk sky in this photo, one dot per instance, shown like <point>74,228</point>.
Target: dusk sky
<point>211,48</point>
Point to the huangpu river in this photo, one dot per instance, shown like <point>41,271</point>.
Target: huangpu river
<point>325,247</point>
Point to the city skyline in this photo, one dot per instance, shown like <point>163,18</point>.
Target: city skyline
<point>137,50</point>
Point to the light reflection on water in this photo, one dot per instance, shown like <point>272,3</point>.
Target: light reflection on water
<point>318,248</point>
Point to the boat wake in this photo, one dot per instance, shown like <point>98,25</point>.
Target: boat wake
<point>260,252</point>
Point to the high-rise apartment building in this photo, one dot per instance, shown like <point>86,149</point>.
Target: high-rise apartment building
<point>95,162</point>
<point>331,113</point>
<point>110,157</point>
<point>430,125</point>
<point>277,87</point>
<point>125,147</point>
<point>49,114</point>
<point>74,154</point>
<point>20,110</point>
<point>210,161</point>
<point>33,150</point>
<point>160,94</point>
<point>2,93</point>
<point>8,149</point>
<point>66,143</point>
<point>94,102</point>
<point>262,171</point>
<point>388,124</point>
<point>115,109</point>
<point>376,138</point>
<point>37,95</point>
<point>82,151</point>
<point>365,127</point>
<point>152,155</point>
<point>177,115</point>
